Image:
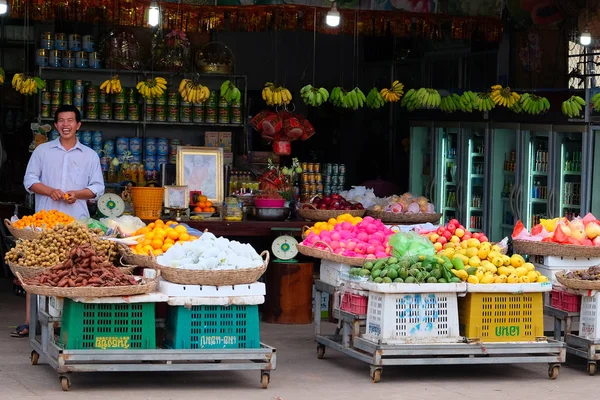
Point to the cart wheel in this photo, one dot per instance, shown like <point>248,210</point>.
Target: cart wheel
<point>591,368</point>
<point>376,375</point>
<point>320,351</point>
<point>264,380</point>
<point>35,357</point>
<point>553,371</point>
<point>65,383</point>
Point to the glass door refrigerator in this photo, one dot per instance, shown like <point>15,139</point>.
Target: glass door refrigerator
<point>471,187</point>
<point>533,195</point>
<point>503,176</point>
<point>447,157</point>
<point>567,197</point>
<point>593,177</point>
<point>422,169</point>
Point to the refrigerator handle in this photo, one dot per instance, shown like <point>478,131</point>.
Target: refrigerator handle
<point>431,192</point>
<point>511,198</point>
<point>518,199</point>
<point>550,204</point>
<point>458,195</point>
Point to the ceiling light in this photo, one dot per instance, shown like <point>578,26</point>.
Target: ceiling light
<point>333,16</point>
<point>3,6</point>
<point>585,38</point>
<point>153,14</point>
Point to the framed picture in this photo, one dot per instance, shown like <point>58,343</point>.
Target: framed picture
<point>176,197</point>
<point>201,169</point>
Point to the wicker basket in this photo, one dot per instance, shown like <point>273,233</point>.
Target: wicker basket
<point>148,285</point>
<point>215,278</point>
<point>26,272</point>
<point>147,202</point>
<point>576,283</point>
<point>330,255</point>
<point>26,234</point>
<point>554,249</point>
<point>128,258</point>
<point>312,214</point>
<point>405,218</point>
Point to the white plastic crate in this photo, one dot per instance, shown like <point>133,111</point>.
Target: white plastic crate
<point>550,272</point>
<point>589,317</point>
<point>175,290</point>
<point>566,262</point>
<point>412,317</point>
<point>334,274</point>
<point>55,306</point>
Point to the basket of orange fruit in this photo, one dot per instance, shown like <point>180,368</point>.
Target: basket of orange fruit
<point>30,227</point>
<point>152,241</point>
<point>203,207</point>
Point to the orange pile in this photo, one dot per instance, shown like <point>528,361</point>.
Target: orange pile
<point>204,205</point>
<point>159,236</point>
<point>44,219</point>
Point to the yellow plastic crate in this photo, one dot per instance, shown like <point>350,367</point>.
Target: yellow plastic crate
<point>502,317</point>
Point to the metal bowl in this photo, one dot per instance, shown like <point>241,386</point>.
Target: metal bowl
<point>269,214</point>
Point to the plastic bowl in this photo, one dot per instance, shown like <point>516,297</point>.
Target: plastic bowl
<point>269,203</point>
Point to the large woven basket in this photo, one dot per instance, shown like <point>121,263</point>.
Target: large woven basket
<point>405,218</point>
<point>147,286</point>
<point>312,214</point>
<point>26,234</point>
<point>554,249</point>
<point>26,272</point>
<point>576,283</point>
<point>128,258</point>
<point>147,201</point>
<point>330,255</point>
<point>215,278</point>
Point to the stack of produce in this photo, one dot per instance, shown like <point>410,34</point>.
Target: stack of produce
<point>453,232</point>
<point>84,266</point>
<point>580,231</point>
<point>43,219</point>
<point>351,237</point>
<point>335,202</point>
<point>158,237</point>
<point>407,270</point>
<point>53,246</point>
<point>407,203</point>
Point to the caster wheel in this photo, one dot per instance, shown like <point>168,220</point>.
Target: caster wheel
<point>35,357</point>
<point>553,371</point>
<point>65,383</point>
<point>592,368</point>
<point>320,352</point>
<point>376,376</point>
<point>264,380</point>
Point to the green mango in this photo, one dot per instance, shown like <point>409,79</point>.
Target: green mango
<point>403,273</point>
<point>455,280</point>
<point>378,280</point>
<point>387,279</point>
<point>413,271</point>
<point>410,279</point>
<point>395,267</point>
<point>431,279</point>
<point>442,280</point>
<point>384,272</point>
<point>404,264</point>
<point>392,274</point>
<point>364,272</point>
<point>458,263</point>
<point>472,270</point>
<point>436,273</point>
<point>380,263</point>
<point>375,272</point>
<point>392,260</point>
<point>398,280</point>
<point>368,265</point>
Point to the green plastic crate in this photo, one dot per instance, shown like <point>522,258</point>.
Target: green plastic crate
<point>213,327</point>
<point>108,326</point>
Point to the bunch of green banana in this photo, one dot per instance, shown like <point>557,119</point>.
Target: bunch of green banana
<point>484,102</point>
<point>374,99</point>
<point>532,104</point>
<point>596,102</point>
<point>409,100</point>
<point>428,98</point>
<point>450,103</point>
<point>230,92</point>
<point>2,76</point>
<point>27,85</point>
<point>313,96</point>
<point>572,106</point>
<point>516,108</point>
<point>468,101</point>
<point>357,98</point>
<point>338,97</point>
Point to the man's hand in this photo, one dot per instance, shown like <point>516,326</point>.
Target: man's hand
<point>70,197</point>
<point>57,194</point>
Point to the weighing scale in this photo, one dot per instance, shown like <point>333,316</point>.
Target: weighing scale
<point>111,205</point>
<point>284,248</point>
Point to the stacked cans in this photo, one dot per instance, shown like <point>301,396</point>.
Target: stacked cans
<point>92,101</point>
<point>334,178</point>
<point>162,152</point>
<point>121,148</point>
<point>97,142</point>
<point>311,181</point>
<point>150,154</point>
<point>156,109</point>
<point>69,51</point>
<point>173,150</point>
<point>108,149</point>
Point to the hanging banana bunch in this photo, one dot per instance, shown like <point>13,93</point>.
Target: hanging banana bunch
<point>112,85</point>
<point>152,88</point>
<point>276,95</point>
<point>504,96</point>
<point>27,85</point>
<point>193,93</point>
<point>2,76</point>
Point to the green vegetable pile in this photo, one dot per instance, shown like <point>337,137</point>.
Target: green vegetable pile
<point>408,270</point>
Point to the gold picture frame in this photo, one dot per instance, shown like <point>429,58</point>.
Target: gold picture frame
<point>176,197</point>
<point>201,169</point>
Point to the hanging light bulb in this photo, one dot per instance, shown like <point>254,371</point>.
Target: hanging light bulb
<point>333,16</point>
<point>153,14</point>
<point>3,7</point>
<point>585,39</point>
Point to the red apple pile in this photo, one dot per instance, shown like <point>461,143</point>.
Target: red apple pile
<point>334,202</point>
<point>454,232</point>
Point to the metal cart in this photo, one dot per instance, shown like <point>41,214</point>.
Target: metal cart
<point>377,356</point>
<point>46,351</point>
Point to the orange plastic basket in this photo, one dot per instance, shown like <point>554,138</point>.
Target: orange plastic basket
<point>147,202</point>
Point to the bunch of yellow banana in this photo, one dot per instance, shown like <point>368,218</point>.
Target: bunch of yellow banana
<point>193,93</point>
<point>2,76</point>
<point>27,85</point>
<point>394,93</point>
<point>503,96</point>
<point>276,95</point>
<point>112,85</point>
<point>151,88</point>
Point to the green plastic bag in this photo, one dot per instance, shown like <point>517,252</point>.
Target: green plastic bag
<point>94,224</point>
<point>411,244</point>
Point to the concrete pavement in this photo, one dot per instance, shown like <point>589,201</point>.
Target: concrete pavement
<point>299,375</point>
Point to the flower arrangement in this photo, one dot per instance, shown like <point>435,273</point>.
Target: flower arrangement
<point>280,179</point>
